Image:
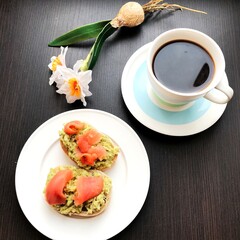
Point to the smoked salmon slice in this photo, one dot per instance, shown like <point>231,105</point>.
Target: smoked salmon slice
<point>73,127</point>
<point>54,190</point>
<point>93,153</point>
<point>93,136</point>
<point>87,188</point>
<point>88,159</point>
<point>100,151</point>
<point>83,144</point>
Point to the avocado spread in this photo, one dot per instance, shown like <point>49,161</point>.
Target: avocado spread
<point>90,206</point>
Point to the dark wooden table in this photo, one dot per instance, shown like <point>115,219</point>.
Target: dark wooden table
<point>195,181</point>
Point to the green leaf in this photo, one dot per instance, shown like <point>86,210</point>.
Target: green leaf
<point>79,34</point>
<point>107,31</point>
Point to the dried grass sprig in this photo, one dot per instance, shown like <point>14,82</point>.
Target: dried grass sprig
<point>158,5</point>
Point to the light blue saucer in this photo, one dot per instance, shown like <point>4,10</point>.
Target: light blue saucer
<point>135,90</point>
<point>140,84</point>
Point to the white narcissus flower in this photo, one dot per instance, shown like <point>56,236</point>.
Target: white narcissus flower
<point>54,64</point>
<point>75,83</point>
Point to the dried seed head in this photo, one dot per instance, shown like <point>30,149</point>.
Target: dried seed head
<point>130,14</point>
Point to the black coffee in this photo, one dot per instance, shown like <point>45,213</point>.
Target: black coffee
<point>183,66</point>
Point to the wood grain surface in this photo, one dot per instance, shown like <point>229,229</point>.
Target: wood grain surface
<point>195,181</point>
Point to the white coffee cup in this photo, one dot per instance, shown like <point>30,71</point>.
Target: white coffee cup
<point>217,90</point>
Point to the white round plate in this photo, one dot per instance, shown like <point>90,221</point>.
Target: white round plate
<point>141,103</point>
<point>130,178</point>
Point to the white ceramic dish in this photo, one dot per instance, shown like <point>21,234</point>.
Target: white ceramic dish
<point>145,107</point>
<point>130,176</point>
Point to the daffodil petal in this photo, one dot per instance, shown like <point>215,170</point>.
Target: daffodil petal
<point>86,77</point>
<point>63,89</point>
<point>84,102</point>
<point>67,73</point>
<point>87,93</point>
<point>52,79</point>
<point>77,65</point>
<point>71,99</point>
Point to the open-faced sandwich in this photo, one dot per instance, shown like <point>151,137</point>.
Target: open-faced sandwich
<point>74,191</point>
<point>87,147</point>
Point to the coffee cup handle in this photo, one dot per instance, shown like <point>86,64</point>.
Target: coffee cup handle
<point>221,94</point>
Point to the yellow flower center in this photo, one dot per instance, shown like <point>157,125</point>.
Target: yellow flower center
<point>75,89</point>
<point>55,63</point>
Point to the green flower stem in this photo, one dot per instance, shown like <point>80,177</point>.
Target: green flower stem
<point>79,34</point>
<point>92,57</point>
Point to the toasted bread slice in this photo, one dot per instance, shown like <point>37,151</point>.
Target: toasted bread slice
<point>91,207</point>
<point>70,145</point>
